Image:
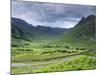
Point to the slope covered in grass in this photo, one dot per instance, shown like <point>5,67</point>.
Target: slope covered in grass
<point>82,35</point>
<point>22,31</point>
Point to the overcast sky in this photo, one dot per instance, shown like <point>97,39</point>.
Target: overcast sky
<point>50,14</point>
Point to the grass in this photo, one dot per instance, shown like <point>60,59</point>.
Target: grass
<point>83,62</point>
<point>38,54</point>
<point>52,58</point>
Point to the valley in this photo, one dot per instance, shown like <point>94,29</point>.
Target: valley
<point>37,49</point>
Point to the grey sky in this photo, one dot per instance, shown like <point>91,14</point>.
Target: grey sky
<point>51,14</point>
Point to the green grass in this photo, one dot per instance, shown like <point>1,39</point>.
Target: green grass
<point>83,62</point>
<point>46,58</point>
<point>41,54</point>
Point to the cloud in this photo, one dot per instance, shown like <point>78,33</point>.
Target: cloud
<point>51,14</point>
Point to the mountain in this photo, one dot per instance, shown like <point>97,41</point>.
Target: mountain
<point>82,35</point>
<point>22,31</point>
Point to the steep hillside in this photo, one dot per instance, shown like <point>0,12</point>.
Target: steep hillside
<point>82,35</point>
<point>22,31</point>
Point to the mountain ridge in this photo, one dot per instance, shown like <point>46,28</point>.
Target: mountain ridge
<point>83,34</point>
<point>21,30</point>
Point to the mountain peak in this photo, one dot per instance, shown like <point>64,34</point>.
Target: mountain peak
<point>91,17</point>
<point>86,19</point>
<point>82,20</point>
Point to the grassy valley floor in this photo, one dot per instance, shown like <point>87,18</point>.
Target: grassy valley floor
<point>51,59</point>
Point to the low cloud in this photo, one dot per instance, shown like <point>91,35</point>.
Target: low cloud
<point>51,14</point>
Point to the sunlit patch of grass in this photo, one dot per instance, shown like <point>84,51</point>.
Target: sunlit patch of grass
<point>84,62</point>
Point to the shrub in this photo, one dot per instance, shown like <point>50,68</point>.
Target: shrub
<point>77,48</point>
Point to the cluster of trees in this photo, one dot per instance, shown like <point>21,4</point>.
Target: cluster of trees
<point>22,49</point>
<point>56,46</point>
<point>80,48</point>
<point>61,51</point>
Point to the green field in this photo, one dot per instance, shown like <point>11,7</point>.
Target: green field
<point>51,58</point>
